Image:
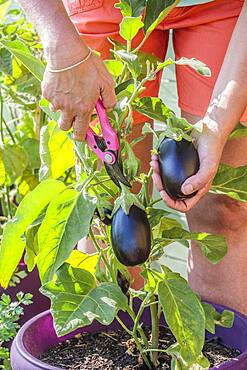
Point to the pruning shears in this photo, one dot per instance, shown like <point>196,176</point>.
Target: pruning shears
<point>106,146</point>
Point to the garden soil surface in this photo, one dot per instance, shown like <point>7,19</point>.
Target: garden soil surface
<point>117,351</point>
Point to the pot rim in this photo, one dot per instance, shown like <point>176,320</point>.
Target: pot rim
<point>18,342</point>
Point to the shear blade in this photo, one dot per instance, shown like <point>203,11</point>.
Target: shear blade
<point>116,174</point>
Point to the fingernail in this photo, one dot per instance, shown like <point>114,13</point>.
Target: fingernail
<point>187,189</point>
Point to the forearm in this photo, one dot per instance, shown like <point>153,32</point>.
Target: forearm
<point>57,33</point>
<point>229,98</point>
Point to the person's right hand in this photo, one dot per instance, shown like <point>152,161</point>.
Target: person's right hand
<point>75,92</point>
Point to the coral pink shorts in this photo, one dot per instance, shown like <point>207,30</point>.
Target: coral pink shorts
<point>200,31</point>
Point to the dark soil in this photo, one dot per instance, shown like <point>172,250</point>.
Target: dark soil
<point>116,351</point>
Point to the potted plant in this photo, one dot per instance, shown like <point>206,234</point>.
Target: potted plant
<point>93,289</point>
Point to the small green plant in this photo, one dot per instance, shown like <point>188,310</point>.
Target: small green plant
<point>10,313</point>
<point>61,210</point>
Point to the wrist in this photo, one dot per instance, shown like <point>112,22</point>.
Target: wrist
<point>62,53</point>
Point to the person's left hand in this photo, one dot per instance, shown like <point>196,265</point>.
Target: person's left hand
<point>209,147</point>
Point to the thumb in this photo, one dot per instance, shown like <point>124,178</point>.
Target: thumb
<point>200,179</point>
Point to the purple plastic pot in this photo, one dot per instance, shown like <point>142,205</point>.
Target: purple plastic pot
<point>38,334</point>
<point>30,284</point>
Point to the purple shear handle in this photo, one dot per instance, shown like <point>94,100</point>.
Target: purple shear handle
<point>108,134</point>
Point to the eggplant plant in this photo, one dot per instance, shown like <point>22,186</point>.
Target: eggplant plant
<point>57,213</point>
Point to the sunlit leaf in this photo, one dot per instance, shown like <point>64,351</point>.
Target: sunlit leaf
<point>131,60</point>
<point>131,8</point>
<point>231,181</point>
<point>114,67</point>
<point>156,11</point>
<point>67,220</point>
<point>15,161</point>
<point>213,317</point>
<point>56,151</point>
<point>183,313</point>
<point>153,107</point>
<point>83,261</point>
<point>129,27</point>
<point>77,301</point>
<point>13,244</point>
<point>21,51</point>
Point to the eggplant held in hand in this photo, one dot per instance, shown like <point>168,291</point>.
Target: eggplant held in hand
<point>178,160</point>
<point>131,236</point>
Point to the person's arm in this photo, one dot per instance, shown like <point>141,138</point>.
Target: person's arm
<point>228,102</point>
<point>75,91</point>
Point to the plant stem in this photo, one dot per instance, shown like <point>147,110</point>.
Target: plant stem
<point>154,202</point>
<point>8,202</point>
<point>9,131</point>
<point>139,328</point>
<point>141,43</point>
<point>91,234</point>
<point>155,331</point>
<point>137,342</point>
<point>109,191</point>
<point>138,316</point>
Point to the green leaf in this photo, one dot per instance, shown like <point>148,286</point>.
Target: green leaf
<point>129,27</point>
<point>32,247</point>
<point>131,60</point>
<point>67,220</point>
<point>153,108</point>
<point>169,230</point>
<point>156,11</point>
<point>179,363</point>
<point>27,182</point>
<point>155,215</point>
<point>126,200</point>
<point>13,243</point>
<point>115,67</point>
<point>197,65</point>
<point>31,147</point>
<point>45,106</point>
<point>214,247</point>
<point>131,8</point>
<point>183,313</point>
<point>15,161</point>
<point>3,8</point>
<point>77,301</point>
<point>240,131</point>
<point>213,318</point>
<point>231,181</point>
<point>131,163</point>
<point>21,51</point>
<point>56,152</point>
<point>5,61</point>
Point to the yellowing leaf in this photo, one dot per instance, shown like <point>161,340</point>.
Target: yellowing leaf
<point>84,261</point>
<point>56,152</point>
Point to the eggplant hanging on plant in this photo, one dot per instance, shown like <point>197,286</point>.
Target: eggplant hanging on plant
<point>131,236</point>
<point>123,282</point>
<point>178,160</point>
